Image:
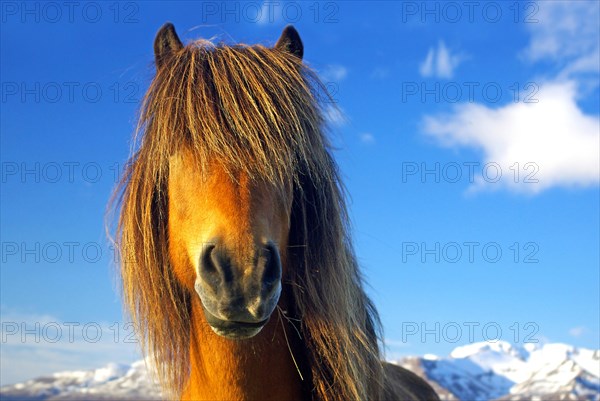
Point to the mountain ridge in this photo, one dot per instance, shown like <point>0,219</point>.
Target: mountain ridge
<point>475,372</point>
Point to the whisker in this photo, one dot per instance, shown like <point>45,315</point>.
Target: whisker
<point>289,319</point>
<point>288,343</point>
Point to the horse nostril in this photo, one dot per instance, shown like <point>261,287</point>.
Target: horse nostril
<point>206,261</point>
<point>215,265</point>
<point>271,264</point>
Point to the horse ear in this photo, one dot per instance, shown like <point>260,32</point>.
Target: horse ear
<point>165,43</point>
<point>290,42</point>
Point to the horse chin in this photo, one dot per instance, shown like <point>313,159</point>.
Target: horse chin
<point>233,330</point>
<point>236,333</point>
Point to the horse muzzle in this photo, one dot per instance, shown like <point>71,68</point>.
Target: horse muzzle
<point>238,300</point>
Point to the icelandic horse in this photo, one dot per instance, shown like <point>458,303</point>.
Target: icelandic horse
<point>236,260</point>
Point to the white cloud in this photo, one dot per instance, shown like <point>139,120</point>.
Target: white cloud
<point>333,73</point>
<point>577,331</point>
<point>269,12</point>
<point>367,138</point>
<point>439,62</point>
<point>568,34</point>
<point>38,345</point>
<point>560,141</point>
<point>335,115</point>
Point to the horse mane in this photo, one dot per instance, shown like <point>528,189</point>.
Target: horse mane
<point>259,110</point>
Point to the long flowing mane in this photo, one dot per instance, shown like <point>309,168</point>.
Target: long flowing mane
<point>259,110</point>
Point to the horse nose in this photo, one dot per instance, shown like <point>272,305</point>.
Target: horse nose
<point>239,294</point>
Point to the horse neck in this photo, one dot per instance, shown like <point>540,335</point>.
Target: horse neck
<point>260,368</point>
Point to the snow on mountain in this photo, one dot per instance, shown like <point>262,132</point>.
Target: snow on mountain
<point>474,372</point>
<point>490,371</point>
<point>112,382</point>
<point>563,370</point>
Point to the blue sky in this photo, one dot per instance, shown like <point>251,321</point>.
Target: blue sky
<point>468,139</point>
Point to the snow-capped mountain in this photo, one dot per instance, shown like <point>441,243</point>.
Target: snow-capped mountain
<point>116,382</point>
<point>475,372</point>
<point>501,371</point>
